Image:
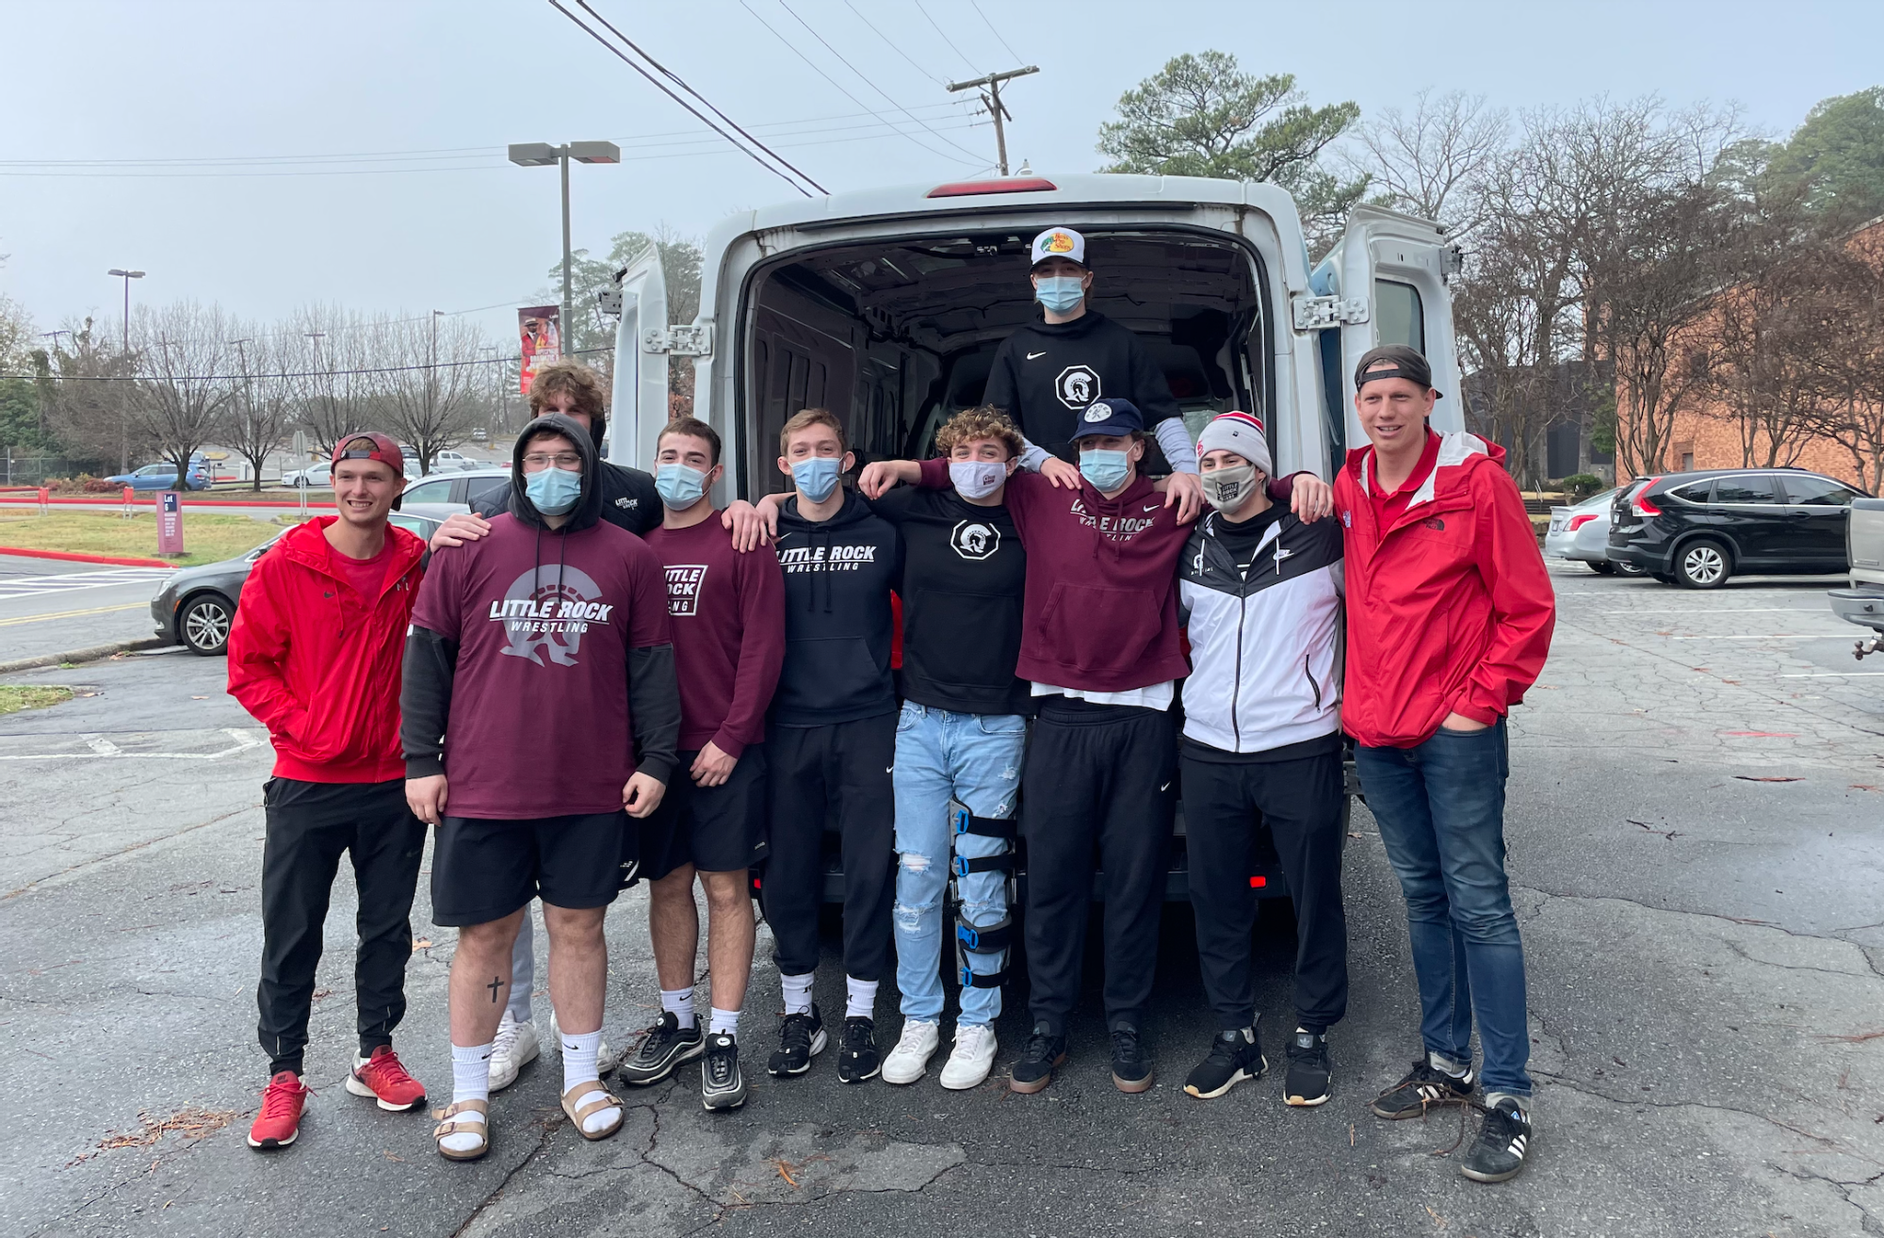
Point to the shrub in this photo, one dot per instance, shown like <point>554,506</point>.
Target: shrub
<point>1582,485</point>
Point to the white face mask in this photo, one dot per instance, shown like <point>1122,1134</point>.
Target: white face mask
<point>977,479</point>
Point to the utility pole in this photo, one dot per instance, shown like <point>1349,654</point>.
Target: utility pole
<point>991,100</point>
<point>248,402</point>
<point>124,416</point>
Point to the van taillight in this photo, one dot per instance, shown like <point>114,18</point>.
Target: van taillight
<point>1005,184</point>
<point>1640,504</point>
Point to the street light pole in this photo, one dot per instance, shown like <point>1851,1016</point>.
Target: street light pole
<point>124,426</point>
<point>542,155</point>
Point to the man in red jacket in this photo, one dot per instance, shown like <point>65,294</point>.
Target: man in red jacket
<point>1449,620</point>
<point>315,655</point>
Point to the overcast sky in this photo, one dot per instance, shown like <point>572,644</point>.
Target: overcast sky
<point>354,152</point>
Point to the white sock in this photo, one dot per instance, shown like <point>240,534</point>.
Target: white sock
<point>1441,1062</point>
<point>723,1021</point>
<point>860,998</point>
<point>797,993</point>
<point>579,1067</point>
<point>679,1003</point>
<point>470,1080</point>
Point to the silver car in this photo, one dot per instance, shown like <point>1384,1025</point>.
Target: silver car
<point>1581,534</point>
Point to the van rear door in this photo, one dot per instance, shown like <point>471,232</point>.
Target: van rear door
<point>1389,277</point>
<point>638,406</point>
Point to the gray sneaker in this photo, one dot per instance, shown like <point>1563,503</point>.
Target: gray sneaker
<point>722,1083</point>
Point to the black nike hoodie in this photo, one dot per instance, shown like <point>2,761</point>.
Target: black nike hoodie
<point>838,623</point>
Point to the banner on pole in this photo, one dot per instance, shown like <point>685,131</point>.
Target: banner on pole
<point>539,330</point>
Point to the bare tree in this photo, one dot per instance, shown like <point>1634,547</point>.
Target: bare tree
<point>1436,161</point>
<point>264,402</point>
<point>1851,363</point>
<point>85,389</point>
<point>425,388</point>
<point>184,390</point>
<point>323,346</point>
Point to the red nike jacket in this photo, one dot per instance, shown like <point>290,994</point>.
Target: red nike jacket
<point>1449,608</point>
<point>319,664</point>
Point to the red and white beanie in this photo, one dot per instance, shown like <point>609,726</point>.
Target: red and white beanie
<point>1241,433</point>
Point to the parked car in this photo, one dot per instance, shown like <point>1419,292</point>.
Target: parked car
<point>313,477</point>
<point>451,461</point>
<point>196,607</point>
<point>1580,533</point>
<point>163,476</point>
<point>461,489</point>
<point>1699,528</point>
<point>1863,602</point>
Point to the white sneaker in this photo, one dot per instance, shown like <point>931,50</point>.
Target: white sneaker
<point>909,1060</point>
<point>516,1047</point>
<point>606,1059</point>
<point>968,1065</point>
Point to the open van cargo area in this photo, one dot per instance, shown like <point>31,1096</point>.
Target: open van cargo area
<point>899,335</point>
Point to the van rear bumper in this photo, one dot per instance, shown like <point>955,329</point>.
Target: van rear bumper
<point>1863,606</point>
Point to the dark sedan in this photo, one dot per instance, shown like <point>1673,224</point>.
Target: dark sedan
<point>196,607</point>
<point>1698,528</point>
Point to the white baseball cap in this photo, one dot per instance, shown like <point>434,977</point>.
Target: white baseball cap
<point>1059,243</point>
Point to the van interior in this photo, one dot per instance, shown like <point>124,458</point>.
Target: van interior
<point>897,336</point>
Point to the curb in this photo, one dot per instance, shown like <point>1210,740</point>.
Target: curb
<point>73,556</point>
<point>91,654</point>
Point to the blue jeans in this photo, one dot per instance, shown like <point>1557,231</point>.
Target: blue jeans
<point>976,758</point>
<point>1441,809</point>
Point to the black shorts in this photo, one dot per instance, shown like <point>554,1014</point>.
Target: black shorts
<point>716,829</point>
<point>482,870</point>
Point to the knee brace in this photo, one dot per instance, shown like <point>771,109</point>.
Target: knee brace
<point>987,938</point>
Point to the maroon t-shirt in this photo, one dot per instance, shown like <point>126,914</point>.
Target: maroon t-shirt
<point>728,613</point>
<point>544,621</point>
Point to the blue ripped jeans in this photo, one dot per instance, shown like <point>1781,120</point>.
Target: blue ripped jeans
<point>975,758</point>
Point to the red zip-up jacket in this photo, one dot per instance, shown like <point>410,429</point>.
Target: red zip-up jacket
<point>1449,607</point>
<point>319,665</point>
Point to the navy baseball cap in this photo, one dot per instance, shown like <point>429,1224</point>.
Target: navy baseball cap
<point>1110,417</point>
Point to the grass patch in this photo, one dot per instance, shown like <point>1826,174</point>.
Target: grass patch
<point>206,537</point>
<point>15,697</point>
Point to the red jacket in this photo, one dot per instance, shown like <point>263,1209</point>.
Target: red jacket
<point>318,664</point>
<point>1449,608</point>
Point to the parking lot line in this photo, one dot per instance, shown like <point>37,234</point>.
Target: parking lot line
<point>1780,636</point>
<point>1833,675</point>
<point>1732,610</point>
<point>71,614</point>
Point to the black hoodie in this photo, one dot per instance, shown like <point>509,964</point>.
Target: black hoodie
<point>838,623</point>
<point>629,498</point>
<point>517,654</point>
<point>1045,374</point>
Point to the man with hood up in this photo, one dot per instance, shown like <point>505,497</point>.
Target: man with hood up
<point>540,704</point>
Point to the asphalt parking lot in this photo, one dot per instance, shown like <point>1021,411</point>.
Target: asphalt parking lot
<point>1696,828</point>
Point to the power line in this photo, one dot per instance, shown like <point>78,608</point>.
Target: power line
<point>976,5</point>
<point>231,378</point>
<point>866,81</point>
<point>753,155</point>
<point>892,46</point>
<point>834,82</point>
<point>945,36</point>
<point>696,94</point>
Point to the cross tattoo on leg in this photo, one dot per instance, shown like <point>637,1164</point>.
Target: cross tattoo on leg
<point>493,986</point>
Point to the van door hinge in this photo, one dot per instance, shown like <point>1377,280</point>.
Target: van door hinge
<point>1320,313</point>
<point>694,341</point>
<point>609,301</point>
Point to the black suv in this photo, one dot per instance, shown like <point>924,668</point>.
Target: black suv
<point>1701,527</point>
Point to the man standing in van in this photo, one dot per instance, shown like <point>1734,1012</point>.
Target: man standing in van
<point>1047,374</point>
<point>1450,621</point>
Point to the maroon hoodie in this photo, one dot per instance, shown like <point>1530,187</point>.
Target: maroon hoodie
<point>1101,610</point>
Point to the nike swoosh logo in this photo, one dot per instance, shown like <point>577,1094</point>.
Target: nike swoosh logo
<point>1032,355</point>
<point>1165,787</point>
<point>889,769</point>
<point>1152,507</point>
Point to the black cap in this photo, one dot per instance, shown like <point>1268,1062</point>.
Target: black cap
<point>1408,363</point>
<point>1109,417</point>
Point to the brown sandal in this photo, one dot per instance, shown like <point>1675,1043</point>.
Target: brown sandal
<point>448,1126</point>
<point>580,1115</point>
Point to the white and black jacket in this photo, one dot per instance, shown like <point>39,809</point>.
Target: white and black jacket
<point>1266,646</point>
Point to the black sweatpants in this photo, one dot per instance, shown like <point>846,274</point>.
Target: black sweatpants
<point>1227,805</point>
<point>839,772</point>
<point>1101,774</point>
<point>309,825</point>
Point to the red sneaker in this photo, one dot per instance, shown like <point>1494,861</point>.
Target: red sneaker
<point>280,1119</point>
<point>383,1078</point>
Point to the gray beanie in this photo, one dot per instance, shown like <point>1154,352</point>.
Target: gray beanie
<point>1238,432</point>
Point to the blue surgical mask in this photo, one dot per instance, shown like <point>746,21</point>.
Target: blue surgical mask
<point>679,486</point>
<point>816,477</point>
<point>553,491</point>
<point>1106,470</point>
<point>1060,293</point>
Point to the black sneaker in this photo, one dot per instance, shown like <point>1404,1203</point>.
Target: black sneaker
<point>1043,1054</point>
<point>1424,1087</point>
<point>1234,1057</point>
<point>800,1038</point>
<point>1131,1069</point>
<point>1498,1153</point>
<point>857,1057</point>
<point>1309,1070</point>
<point>722,1085</point>
<point>664,1046</point>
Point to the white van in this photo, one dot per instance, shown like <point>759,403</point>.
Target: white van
<point>886,307</point>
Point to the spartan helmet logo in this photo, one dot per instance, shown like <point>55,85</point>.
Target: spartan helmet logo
<point>1077,386</point>
<point>558,640</point>
<point>975,540</point>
